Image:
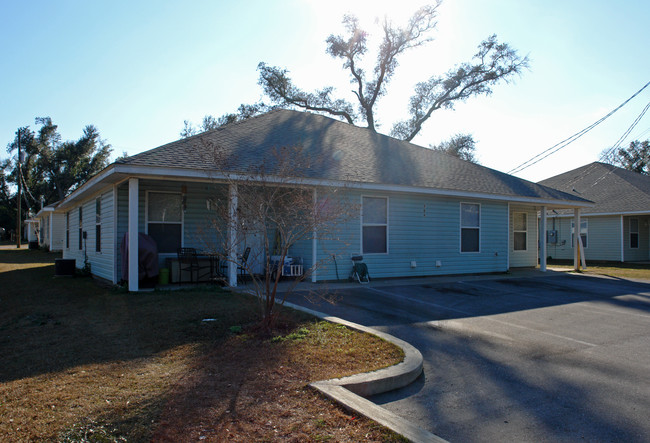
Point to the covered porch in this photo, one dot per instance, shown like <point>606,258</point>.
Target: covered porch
<point>203,216</point>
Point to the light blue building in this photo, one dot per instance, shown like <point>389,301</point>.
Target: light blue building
<point>421,212</point>
<point>615,228</point>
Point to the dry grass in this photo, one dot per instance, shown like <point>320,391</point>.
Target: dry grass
<point>618,270</point>
<point>80,359</point>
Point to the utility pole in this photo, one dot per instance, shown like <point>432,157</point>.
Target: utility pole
<point>19,215</point>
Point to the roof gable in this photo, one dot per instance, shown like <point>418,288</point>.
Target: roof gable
<point>613,189</point>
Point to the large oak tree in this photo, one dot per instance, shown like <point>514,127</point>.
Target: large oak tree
<point>50,168</point>
<point>493,63</point>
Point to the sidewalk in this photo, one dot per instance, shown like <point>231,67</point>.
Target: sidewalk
<point>285,285</point>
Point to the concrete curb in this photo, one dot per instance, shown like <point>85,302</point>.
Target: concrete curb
<point>349,391</point>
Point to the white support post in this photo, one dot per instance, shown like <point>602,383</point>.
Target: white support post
<point>232,235</point>
<point>116,241</point>
<point>314,241</point>
<point>133,235</point>
<point>576,239</point>
<point>51,230</point>
<point>542,242</point>
<point>622,240</point>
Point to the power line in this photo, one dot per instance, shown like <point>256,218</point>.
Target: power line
<point>607,152</point>
<point>564,143</point>
<point>620,140</point>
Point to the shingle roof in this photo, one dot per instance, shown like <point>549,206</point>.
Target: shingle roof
<point>613,189</point>
<point>341,152</point>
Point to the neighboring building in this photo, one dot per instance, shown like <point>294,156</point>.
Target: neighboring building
<point>429,213</point>
<point>51,228</point>
<point>616,227</point>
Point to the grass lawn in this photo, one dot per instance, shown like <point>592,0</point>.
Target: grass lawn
<point>82,362</point>
<point>617,270</point>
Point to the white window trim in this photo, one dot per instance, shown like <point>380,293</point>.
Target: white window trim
<point>387,224</point>
<point>638,238</point>
<point>460,229</point>
<point>146,219</point>
<point>573,240</point>
<point>514,231</point>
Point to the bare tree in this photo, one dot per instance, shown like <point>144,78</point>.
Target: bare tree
<point>274,212</point>
<point>493,63</point>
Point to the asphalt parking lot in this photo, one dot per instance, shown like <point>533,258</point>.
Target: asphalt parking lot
<point>546,358</point>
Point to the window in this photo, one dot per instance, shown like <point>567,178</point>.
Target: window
<point>67,230</point>
<point>634,233</point>
<point>165,220</point>
<point>584,228</point>
<point>98,224</point>
<point>374,225</point>
<point>81,234</point>
<point>520,228</point>
<point>470,227</point>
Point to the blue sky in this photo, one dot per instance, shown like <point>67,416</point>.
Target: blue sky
<point>136,70</point>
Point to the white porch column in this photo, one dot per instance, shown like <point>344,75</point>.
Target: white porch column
<point>542,242</point>
<point>314,241</point>
<point>133,235</point>
<point>51,231</point>
<point>232,235</point>
<point>576,239</point>
<point>622,240</point>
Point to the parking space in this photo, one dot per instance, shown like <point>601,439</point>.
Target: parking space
<point>553,358</point>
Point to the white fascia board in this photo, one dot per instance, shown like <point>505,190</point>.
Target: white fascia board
<point>602,214</point>
<point>156,172</point>
<point>43,211</point>
<point>92,186</point>
<point>187,174</point>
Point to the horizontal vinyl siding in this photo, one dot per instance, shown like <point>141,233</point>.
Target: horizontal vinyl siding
<point>604,238</point>
<point>73,252</point>
<point>561,250</point>
<point>58,232</point>
<point>102,262</point>
<point>641,253</point>
<point>425,230</point>
<point>342,241</point>
<point>528,257</point>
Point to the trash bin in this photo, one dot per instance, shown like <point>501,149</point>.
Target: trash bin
<point>163,276</point>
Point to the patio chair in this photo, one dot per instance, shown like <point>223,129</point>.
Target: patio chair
<point>241,266</point>
<point>241,269</point>
<point>188,260</point>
